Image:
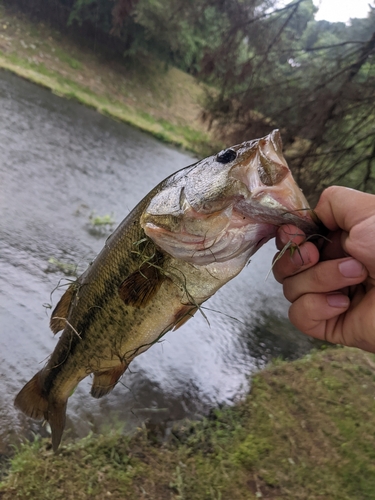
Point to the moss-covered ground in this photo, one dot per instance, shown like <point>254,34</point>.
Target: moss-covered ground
<point>165,102</point>
<point>305,431</point>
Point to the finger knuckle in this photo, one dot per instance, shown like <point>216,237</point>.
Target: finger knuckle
<point>331,191</point>
<point>288,289</point>
<point>318,277</point>
<point>297,315</point>
<point>301,313</point>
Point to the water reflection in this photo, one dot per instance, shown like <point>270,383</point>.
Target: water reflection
<point>271,335</point>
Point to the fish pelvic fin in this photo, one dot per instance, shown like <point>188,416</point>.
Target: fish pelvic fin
<point>104,382</point>
<point>60,313</point>
<point>34,403</point>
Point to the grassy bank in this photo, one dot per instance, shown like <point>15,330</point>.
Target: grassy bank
<point>162,101</point>
<point>306,431</point>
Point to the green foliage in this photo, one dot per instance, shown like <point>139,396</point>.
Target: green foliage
<point>180,31</point>
<point>97,12</point>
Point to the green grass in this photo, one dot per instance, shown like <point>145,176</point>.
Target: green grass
<point>66,58</point>
<point>306,431</point>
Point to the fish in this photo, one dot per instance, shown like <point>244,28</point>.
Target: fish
<point>189,236</point>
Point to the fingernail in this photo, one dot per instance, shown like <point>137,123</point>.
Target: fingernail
<point>351,268</point>
<point>338,300</point>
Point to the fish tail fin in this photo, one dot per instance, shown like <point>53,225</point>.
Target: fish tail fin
<point>34,403</point>
<point>31,400</point>
<point>56,419</point>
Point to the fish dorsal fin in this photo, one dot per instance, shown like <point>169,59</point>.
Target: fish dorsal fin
<point>104,382</point>
<point>61,311</point>
<point>139,287</point>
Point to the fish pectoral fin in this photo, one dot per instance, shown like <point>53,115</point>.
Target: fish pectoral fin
<point>61,311</point>
<point>104,382</point>
<point>139,287</point>
<point>184,315</point>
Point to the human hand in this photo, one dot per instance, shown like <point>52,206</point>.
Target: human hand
<point>332,291</point>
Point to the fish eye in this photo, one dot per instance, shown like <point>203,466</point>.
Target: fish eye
<point>226,156</point>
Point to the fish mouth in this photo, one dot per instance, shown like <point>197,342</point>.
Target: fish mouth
<point>273,195</point>
<point>281,204</point>
<point>241,234</point>
<point>232,215</point>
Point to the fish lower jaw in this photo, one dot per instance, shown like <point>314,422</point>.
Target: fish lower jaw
<point>235,241</point>
<point>157,233</point>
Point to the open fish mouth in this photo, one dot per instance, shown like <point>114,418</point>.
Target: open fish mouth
<point>228,205</point>
<point>274,196</point>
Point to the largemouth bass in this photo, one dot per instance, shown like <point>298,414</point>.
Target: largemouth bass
<point>189,236</point>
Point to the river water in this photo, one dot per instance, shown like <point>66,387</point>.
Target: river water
<point>60,165</point>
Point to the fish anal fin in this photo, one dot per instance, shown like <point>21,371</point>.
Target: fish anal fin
<point>61,311</point>
<point>139,287</point>
<point>183,315</point>
<point>105,381</point>
<point>56,418</point>
<point>31,400</point>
